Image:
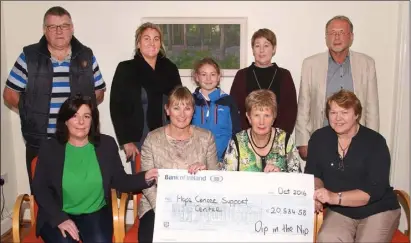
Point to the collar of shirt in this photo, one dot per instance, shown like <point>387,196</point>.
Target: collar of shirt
<point>66,59</point>
<point>347,59</point>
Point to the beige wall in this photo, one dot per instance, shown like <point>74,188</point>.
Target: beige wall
<point>108,27</point>
<point>400,165</point>
<point>8,164</point>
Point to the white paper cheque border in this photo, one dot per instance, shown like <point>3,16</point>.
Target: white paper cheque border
<point>222,206</point>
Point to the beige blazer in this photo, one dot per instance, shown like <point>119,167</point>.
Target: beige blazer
<point>158,152</point>
<point>312,100</point>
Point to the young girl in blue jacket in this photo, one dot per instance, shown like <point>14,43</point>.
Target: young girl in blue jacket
<point>214,109</point>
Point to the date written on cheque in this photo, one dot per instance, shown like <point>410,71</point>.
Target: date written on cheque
<point>285,191</point>
<point>286,211</point>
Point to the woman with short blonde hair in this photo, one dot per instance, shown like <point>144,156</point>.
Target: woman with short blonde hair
<point>262,147</point>
<point>177,145</point>
<point>351,167</point>
<point>261,99</point>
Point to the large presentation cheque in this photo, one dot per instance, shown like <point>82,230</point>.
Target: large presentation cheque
<point>216,206</point>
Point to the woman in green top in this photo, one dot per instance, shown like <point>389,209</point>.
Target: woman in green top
<point>74,175</point>
<point>262,147</point>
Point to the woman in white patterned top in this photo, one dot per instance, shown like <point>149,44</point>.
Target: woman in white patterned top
<point>177,145</point>
<point>262,147</point>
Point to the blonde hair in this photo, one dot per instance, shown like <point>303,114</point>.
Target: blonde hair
<point>345,99</point>
<point>202,62</point>
<point>262,98</point>
<point>180,94</point>
<point>139,33</point>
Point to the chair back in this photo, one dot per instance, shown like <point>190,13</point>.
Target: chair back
<point>404,200</point>
<point>137,197</point>
<point>33,204</point>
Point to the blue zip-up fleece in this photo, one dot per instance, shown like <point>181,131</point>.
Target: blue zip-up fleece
<point>219,115</point>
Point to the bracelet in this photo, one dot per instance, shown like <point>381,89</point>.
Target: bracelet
<point>339,198</point>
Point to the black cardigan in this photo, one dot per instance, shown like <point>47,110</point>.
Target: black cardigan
<point>47,181</point>
<point>283,87</point>
<point>126,109</point>
<point>366,168</point>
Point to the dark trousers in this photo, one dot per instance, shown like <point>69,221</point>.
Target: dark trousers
<point>95,227</point>
<point>146,227</point>
<point>31,153</point>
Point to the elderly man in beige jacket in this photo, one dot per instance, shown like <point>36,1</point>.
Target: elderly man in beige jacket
<point>326,73</point>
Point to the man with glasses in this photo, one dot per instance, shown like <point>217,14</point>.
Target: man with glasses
<point>326,73</point>
<point>46,74</point>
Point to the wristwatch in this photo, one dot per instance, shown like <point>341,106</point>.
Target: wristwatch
<point>339,198</point>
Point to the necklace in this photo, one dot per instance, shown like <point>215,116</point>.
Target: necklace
<point>258,83</point>
<point>343,149</point>
<point>255,145</point>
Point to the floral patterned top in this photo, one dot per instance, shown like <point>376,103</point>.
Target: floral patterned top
<point>287,159</point>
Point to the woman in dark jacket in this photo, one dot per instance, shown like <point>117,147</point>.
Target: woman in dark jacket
<point>262,74</point>
<point>139,90</point>
<point>74,175</point>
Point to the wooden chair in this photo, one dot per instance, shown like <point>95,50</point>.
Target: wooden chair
<point>404,199</point>
<point>31,237</point>
<point>398,237</point>
<point>131,235</point>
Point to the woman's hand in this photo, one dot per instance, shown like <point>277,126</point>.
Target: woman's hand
<point>71,228</point>
<point>151,175</point>
<point>271,168</point>
<point>131,151</point>
<point>325,196</point>
<point>193,168</point>
<point>318,206</point>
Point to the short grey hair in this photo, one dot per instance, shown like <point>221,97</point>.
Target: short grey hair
<point>340,17</point>
<point>56,11</point>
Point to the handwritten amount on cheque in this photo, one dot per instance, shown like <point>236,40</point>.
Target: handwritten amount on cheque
<point>209,207</point>
<point>213,205</point>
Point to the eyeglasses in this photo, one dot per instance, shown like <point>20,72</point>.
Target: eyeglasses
<point>339,33</point>
<point>55,27</point>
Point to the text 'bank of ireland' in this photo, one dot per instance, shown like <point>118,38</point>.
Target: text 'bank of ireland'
<point>234,206</point>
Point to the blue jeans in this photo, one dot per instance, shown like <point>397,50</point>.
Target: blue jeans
<point>94,227</point>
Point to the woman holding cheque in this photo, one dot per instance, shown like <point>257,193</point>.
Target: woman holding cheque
<point>177,145</point>
<point>351,166</point>
<point>262,147</point>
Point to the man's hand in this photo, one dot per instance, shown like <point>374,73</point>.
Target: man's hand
<point>99,96</point>
<point>303,151</point>
<point>131,151</point>
<point>11,99</point>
